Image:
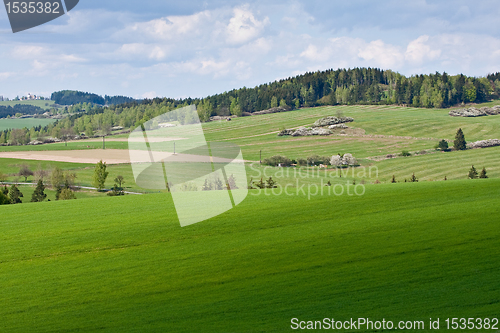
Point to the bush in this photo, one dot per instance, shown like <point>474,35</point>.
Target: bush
<point>472,173</point>
<point>277,160</point>
<point>405,153</point>
<point>483,174</point>
<point>443,145</point>
<point>67,194</point>
<point>413,178</point>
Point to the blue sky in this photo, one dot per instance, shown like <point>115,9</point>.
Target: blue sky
<point>197,48</point>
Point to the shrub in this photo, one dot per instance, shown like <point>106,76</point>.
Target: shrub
<point>301,162</point>
<point>405,153</point>
<point>67,194</point>
<point>413,178</point>
<point>345,160</point>
<point>277,160</point>
<point>393,179</point>
<point>483,174</point>
<point>472,173</point>
<point>443,145</point>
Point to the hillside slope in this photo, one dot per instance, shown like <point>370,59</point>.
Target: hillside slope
<point>400,252</point>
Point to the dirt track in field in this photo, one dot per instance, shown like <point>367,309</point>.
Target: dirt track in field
<point>110,156</point>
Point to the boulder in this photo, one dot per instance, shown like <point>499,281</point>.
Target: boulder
<point>484,143</point>
<point>303,131</point>
<point>468,112</point>
<point>327,121</point>
<point>342,126</point>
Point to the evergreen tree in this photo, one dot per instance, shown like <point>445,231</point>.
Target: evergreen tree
<point>100,175</point>
<point>393,179</point>
<point>413,178</point>
<point>443,145</point>
<point>15,195</point>
<point>472,173</point>
<point>4,199</point>
<point>483,174</point>
<point>231,183</point>
<point>460,143</point>
<point>39,194</point>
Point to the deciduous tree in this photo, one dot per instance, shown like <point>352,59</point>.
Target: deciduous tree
<point>100,175</point>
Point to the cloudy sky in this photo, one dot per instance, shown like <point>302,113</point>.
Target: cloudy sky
<point>197,48</point>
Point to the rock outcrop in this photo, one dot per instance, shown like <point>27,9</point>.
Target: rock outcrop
<point>484,143</point>
<point>474,112</point>
<point>327,121</point>
<point>303,131</point>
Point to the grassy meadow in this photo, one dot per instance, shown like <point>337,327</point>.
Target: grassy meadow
<point>22,123</point>
<point>405,251</point>
<point>44,104</point>
<point>123,264</point>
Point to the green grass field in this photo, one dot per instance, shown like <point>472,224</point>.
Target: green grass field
<point>44,104</point>
<point>400,252</point>
<point>22,123</point>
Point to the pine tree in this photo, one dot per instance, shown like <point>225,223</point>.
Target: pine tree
<point>231,183</point>
<point>271,183</point>
<point>414,178</point>
<point>218,184</point>
<point>15,195</point>
<point>206,186</point>
<point>483,174</point>
<point>4,199</point>
<point>472,173</point>
<point>39,195</point>
<point>460,143</point>
<point>393,179</point>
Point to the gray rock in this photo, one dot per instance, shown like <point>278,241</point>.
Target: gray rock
<point>343,126</point>
<point>327,121</point>
<point>468,112</point>
<point>484,143</point>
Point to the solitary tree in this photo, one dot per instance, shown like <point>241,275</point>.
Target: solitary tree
<point>25,172</point>
<point>119,181</point>
<point>393,179</point>
<point>460,143</point>
<point>100,175</point>
<point>483,173</point>
<point>472,173</point>
<point>39,194</point>
<point>15,195</point>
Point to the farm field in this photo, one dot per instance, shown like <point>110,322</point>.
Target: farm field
<point>22,123</point>
<point>418,131</point>
<point>44,104</point>
<point>124,264</point>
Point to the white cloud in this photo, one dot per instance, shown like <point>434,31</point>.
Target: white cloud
<point>418,51</point>
<point>243,26</point>
<point>381,54</point>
